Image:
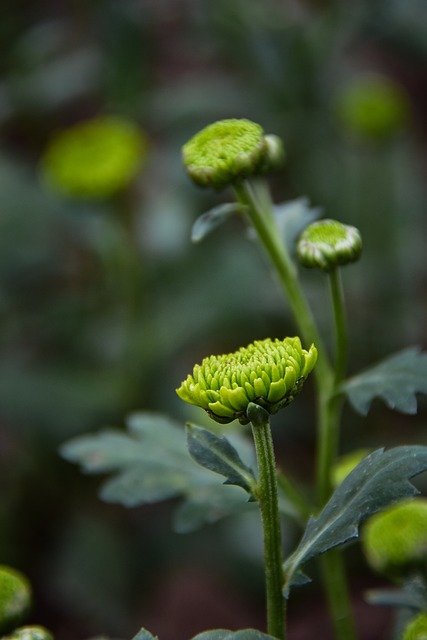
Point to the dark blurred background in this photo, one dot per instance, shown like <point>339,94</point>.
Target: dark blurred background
<point>105,304</point>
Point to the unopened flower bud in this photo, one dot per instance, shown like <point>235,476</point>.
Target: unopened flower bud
<point>417,628</point>
<point>327,244</point>
<point>373,107</point>
<point>94,159</point>
<point>275,157</point>
<point>395,540</point>
<point>230,150</point>
<point>266,372</point>
<point>15,598</point>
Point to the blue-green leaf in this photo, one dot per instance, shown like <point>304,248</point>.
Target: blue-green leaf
<point>218,454</point>
<point>224,634</point>
<point>396,380</point>
<point>292,217</point>
<point>381,479</point>
<point>207,222</point>
<point>143,634</point>
<point>150,462</point>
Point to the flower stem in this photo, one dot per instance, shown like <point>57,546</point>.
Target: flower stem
<point>260,212</point>
<point>261,216</point>
<point>268,504</point>
<point>340,324</point>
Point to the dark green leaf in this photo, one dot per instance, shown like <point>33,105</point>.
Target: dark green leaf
<point>381,479</point>
<point>150,462</point>
<point>292,217</point>
<point>396,380</point>
<point>212,219</point>
<point>218,455</point>
<point>224,634</point>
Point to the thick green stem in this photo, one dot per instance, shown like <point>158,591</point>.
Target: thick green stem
<point>269,508</point>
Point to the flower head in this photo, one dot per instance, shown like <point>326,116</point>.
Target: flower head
<point>95,158</point>
<point>417,628</point>
<point>229,150</point>
<point>267,372</point>
<point>395,540</point>
<point>326,244</point>
<point>373,107</point>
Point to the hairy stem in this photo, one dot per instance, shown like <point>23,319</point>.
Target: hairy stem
<point>269,508</point>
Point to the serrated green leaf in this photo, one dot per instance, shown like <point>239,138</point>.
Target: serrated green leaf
<point>143,634</point>
<point>396,380</point>
<point>292,217</point>
<point>150,462</point>
<point>224,634</point>
<point>209,221</point>
<point>381,479</point>
<point>217,454</point>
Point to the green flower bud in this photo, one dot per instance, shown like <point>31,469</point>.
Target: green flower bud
<point>275,157</point>
<point>326,244</point>
<point>373,107</point>
<point>94,159</point>
<point>15,598</point>
<point>229,150</point>
<point>395,540</point>
<point>266,372</point>
<point>30,633</point>
<point>417,628</point>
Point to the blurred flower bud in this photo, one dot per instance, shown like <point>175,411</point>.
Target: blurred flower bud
<point>373,107</point>
<point>15,598</point>
<point>275,156</point>
<point>346,464</point>
<point>30,633</point>
<point>395,540</point>
<point>230,150</point>
<point>266,372</point>
<point>94,159</point>
<point>417,628</point>
<point>327,244</point>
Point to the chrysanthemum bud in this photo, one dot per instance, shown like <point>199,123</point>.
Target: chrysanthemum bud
<point>395,540</point>
<point>95,158</point>
<point>30,633</point>
<point>15,597</point>
<point>266,372</point>
<point>417,628</point>
<point>229,150</point>
<point>373,107</point>
<point>326,244</point>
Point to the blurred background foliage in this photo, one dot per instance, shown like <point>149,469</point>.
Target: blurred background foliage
<point>105,305</point>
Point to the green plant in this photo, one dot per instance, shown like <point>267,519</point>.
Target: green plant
<point>151,461</point>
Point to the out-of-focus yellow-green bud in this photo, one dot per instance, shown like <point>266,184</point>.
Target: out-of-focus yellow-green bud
<point>15,598</point>
<point>327,244</point>
<point>94,159</point>
<point>269,373</point>
<point>30,633</point>
<point>417,628</point>
<point>395,540</point>
<point>346,464</point>
<point>230,150</point>
<point>373,107</point>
